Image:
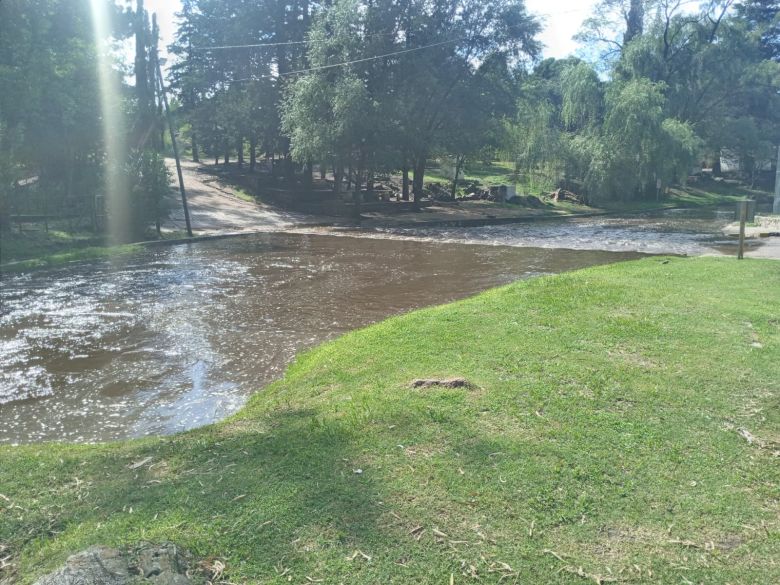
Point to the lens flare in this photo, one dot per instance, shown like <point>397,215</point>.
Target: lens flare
<point>116,189</point>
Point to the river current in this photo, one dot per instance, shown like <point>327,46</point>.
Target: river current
<point>176,337</point>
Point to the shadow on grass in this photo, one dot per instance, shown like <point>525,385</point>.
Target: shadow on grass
<point>255,498</point>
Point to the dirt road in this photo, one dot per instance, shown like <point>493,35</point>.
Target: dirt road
<point>215,209</point>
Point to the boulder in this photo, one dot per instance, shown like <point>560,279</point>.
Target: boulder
<point>150,564</point>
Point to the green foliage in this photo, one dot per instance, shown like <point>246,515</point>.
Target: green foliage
<point>632,136</point>
<point>149,179</point>
<point>348,109</point>
<point>51,123</point>
<point>48,100</point>
<point>582,96</point>
<point>763,20</point>
<point>680,151</point>
<point>678,87</point>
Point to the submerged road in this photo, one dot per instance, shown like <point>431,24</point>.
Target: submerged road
<point>215,208</point>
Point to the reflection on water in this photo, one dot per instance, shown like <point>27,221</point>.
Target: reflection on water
<point>177,337</point>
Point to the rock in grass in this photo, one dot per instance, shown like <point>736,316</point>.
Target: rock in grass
<point>100,565</point>
<point>446,383</point>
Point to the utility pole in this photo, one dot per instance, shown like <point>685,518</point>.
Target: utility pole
<point>776,206</point>
<point>168,116</point>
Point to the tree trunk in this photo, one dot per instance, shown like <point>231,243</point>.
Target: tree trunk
<point>252,154</point>
<point>227,155</point>
<point>338,176</point>
<point>289,168</point>
<point>240,150</point>
<point>634,21</point>
<point>419,176</point>
<point>357,199</point>
<point>357,195</point>
<point>308,176</point>
<point>405,182</point>
<point>195,154</point>
<point>358,183</point>
<point>459,160</point>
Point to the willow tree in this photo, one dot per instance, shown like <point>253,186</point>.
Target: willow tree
<point>632,136</point>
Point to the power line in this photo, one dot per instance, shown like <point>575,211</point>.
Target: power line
<point>322,67</point>
<point>258,45</point>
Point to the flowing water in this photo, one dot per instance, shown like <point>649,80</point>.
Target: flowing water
<point>177,337</point>
<point>675,231</point>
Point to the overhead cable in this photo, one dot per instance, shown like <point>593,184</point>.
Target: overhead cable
<point>334,65</point>
<point>258,45</point>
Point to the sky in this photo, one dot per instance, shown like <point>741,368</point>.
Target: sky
<point>562,20</point>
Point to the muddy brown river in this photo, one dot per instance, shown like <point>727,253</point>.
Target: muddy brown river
<point>177,337</point>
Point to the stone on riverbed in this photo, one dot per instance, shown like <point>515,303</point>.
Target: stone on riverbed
<point>163,564</point>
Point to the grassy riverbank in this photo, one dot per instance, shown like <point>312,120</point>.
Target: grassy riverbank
<point>39,249</point>
<point>707,192</point>
<point>600,440</point>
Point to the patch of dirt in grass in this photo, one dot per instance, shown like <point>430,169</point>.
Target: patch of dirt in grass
<point>442,383</point>
<point>632,358</point>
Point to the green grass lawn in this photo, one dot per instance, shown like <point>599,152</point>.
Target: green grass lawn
<point>599,441</point>
<point>494,173</point>
<point>488,174</point>
<point>15,245</point>
<point>706,195</point>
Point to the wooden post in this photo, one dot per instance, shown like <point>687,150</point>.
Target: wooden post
<point>743,206</point>
<point>161,87</point>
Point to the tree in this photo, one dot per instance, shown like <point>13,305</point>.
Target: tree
<point>613,25</point>
<point>51,116</point>
<point>48,105</point>
<point>763,19</point>
<point>215,74</point>
<point>430,55</point>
